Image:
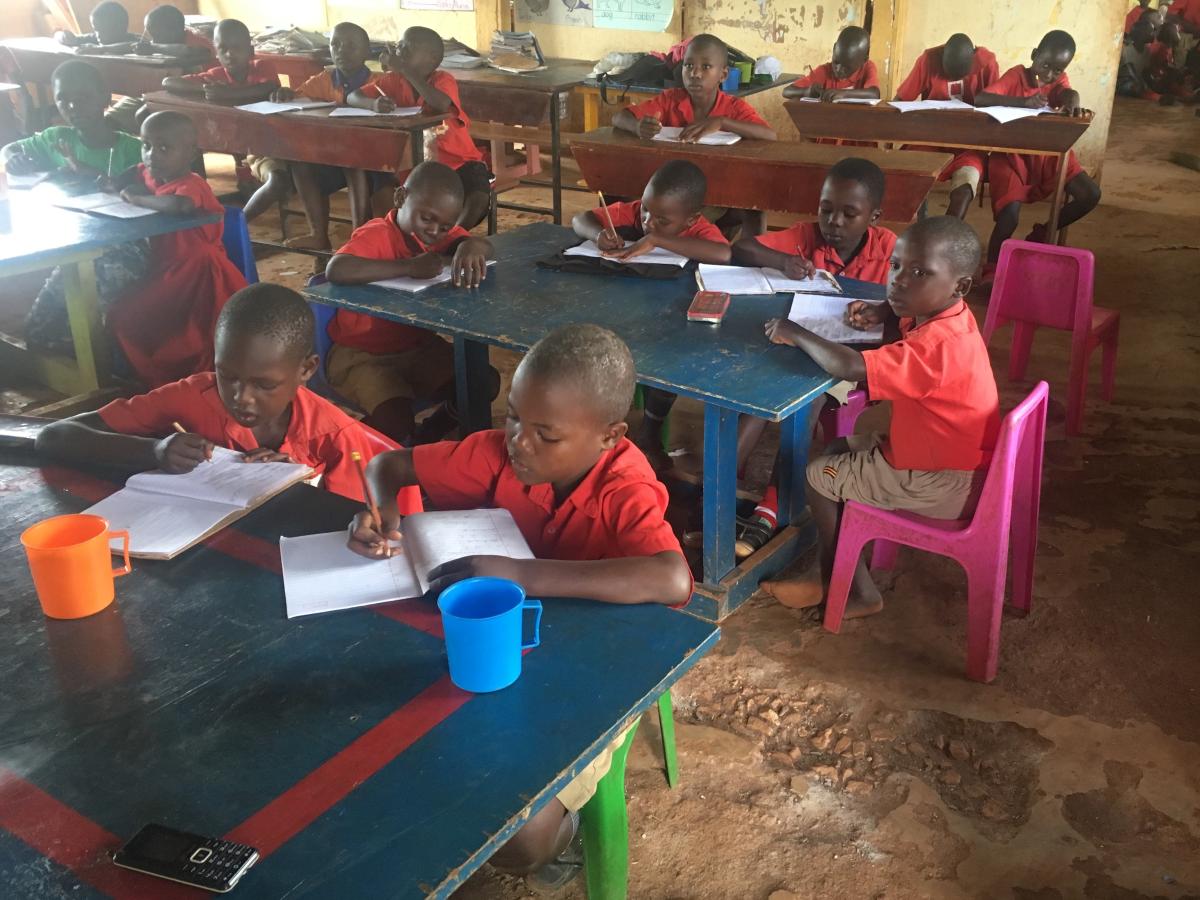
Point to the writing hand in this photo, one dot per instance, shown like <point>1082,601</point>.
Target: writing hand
<point>798,267</point>
<point>637,248</point>
<point>864,316</point>
<point>265,454</point>
<point>366,541</point>
<point>781,331</point>
<point>282,95</point>
<point>608,240</point>
<point>648,127</point>
<point>448,573</point>
<point>384,105</point>
<point>179,453</point>
<point>831,95</point>
<point>427,265</point>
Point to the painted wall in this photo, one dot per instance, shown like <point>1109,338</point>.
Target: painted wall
<point>381,21</point>
<point>1012,30</point>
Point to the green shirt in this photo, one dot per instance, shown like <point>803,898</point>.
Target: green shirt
<point>43,147</point>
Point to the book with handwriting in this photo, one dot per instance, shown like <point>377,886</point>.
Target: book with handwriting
<point>166,514</point>
<point>321,574</point>
<point>670,133</point>
<point>825,317</point>
<point>657,255</point>
<point>752,280</point>
<point>412,285</point>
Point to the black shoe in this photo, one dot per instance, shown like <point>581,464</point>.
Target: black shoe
<point>752,534</point>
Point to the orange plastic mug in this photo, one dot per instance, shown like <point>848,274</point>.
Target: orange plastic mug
<point>71,564</point>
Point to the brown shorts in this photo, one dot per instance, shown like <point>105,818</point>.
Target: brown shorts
<point>861,473</point>
<point>369,380</point>
<point>263,167</point>
<point>580,790</point>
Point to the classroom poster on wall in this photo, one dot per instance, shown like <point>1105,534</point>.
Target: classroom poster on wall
<point>633,15</point>
<point>439,5</point>
<point>556,12</point>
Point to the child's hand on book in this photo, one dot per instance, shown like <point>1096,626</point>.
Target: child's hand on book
<point>637,248</point>
<point>282,95</point>
<point>426,265</point>
<point>697,130</point>
<point>447,574</point>
<point>469,266</point>
<point>265,454</point>
<point>798,267</point>
<point>370,542</point>
<point>781,331</point>
<point>865,316</point>
<point>179,453</point>
<point>608,240</point>
<point>648,127</point>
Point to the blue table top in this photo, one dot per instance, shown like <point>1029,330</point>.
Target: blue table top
<point>335,744</point>
<point>41,232</point>
<point>731,364</point>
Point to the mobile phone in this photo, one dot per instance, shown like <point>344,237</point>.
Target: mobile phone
<point>708,306</point>
<point>208,863</point>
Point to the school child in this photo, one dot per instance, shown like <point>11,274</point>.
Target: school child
<point>1163,76</point>
<point>843,241</point>
<point>86,149</point>
<point>1026,179</point>
<point>240,77</point>
<point>381,366</point>
<point>945,409</point>
<point>349,47</point>
<point>414,79</point>
<point>164,324</point>
<point>256,402</point>
<point>583,496</point>
<point>848,75</point>
<point>1141,11</point>
<point>957,70</point>
<point>1133,72</point>
<point>167,34</point>
<point>110,25</point>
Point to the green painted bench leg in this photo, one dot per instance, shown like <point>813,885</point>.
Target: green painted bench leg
<point>666,722</point>
<point>605,825</point>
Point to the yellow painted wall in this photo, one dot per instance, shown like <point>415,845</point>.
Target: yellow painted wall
<point>381,21</point>
<point>1011,31</point>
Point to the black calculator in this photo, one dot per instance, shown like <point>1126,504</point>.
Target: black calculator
<point>207,863</point>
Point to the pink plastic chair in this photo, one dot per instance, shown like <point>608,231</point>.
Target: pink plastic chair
<point>838,421</point>
<point>1008,508</point>
<point>1042,285</point>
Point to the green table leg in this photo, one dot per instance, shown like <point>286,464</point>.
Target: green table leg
<point>666,723</point>
<point>87,327</point>
<point>605,825</point>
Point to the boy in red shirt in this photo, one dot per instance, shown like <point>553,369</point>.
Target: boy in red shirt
<point>167,34</point>
<point>583,496</point>
<point>1026,179</point>
<point>945,409</point>
<point>957,70</point>
<point>110,26</point>
<point>849,75</point>
<point>667,216</point>
<point>240,77</point>
<point>414,79</point>
<point>255,402</point>
<point>382,366</point>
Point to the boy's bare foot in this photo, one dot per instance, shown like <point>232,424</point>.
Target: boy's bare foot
<point>802,592</point>
<point>308,242</point>
<point>865,599</point>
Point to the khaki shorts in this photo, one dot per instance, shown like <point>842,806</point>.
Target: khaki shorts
<point>369,380</point>
<point>263,167</point>
<point>576,794</point>
<point>966,175</point>
<point>862,474</point>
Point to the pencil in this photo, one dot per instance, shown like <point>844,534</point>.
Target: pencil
<point>607,215</point>
<point>178,428</point>
<point>376,519</point>
<point>111,151</point>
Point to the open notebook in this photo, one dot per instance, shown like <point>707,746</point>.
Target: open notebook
<point>355,112</point>
<point>416,285</point>
<point>750,280</point>
<point>103,205</point>
<point>670,133</point>
<point>321,574</point>
<point>657,255</point>
<point>167,514</point>
<point>825,317</point>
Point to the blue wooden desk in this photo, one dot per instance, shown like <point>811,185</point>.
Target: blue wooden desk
<point>40,236</point>
<point>336,744</point>
<point>731,368</point>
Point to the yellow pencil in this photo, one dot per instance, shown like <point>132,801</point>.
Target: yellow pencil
<point>179,428</point>
<point>607,215</point>
<point>376,519</point>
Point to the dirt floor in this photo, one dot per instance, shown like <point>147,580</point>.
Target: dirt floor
<point>864,765</point>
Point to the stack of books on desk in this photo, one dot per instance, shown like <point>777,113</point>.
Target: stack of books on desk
<point>516,51</point>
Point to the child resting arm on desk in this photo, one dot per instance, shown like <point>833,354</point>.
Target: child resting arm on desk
<point>110,28</point>
<point>945,409</point>
<point>848,75</point>
<point>240,78</point>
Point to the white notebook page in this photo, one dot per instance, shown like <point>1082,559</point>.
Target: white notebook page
<point>657,255</point>
<point>434,538</point>
<point>155,525</point>
<point>225,479</point>
<point>321,574</point>
<point>734,279</point>
<point>670,133</point>
<point>825,317</point>
<point>820,283</point>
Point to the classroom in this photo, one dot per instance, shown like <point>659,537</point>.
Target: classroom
<point>379,379</point>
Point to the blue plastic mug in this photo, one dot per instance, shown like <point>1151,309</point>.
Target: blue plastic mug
<point>732,81</point>
<point>482,618</point>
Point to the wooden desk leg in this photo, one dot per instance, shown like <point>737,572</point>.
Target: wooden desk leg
<point>1056,208</point>
<point>591,111</point>
<point>555,160</point>
<point>604,821</point>
<point>416,140</point>
<point>720,491</point>
<point>795,439</point>
<point>87,326</point>
<point>471,385</point>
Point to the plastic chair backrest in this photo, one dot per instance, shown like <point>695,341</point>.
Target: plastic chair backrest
<point>1017,459</point>
<point>1042,284</point>
<point>236,238</point>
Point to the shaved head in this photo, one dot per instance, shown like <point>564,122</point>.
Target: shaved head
<point>434,179</point>
<point>591,359</point>
<point>958,56</point>
<point>273,311</point>
<point>172,122</point>
<point>950,238</point>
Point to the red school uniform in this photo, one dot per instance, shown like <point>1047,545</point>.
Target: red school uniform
<point>616,511</point>
<point>193,38</point>
<point>673,108</point>
<point>454,144</point>
<point>629,215</point>
<point>945,409</point>
<point>165,323</point>
<point>1027,179</point>
<point>259,71</point>
<point>927,81</point>
<point>383,239</point>
<point>822,76</point>
<point>869,264</point>
<point>1187,10</point>
<point>319,435</point>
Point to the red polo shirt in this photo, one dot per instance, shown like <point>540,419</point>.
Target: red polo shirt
<point>383,239</point>
<point>258,72</point>
<point>945,410</point>
<point>804,238</point>
<point>673,108</point>
<point>615,512</point>
<point>319,435</point>
<point>626,215</point>
<point>454,144</point>
<point>927,80</point>
<point>823,77</point>
<point>1187,10</point>
<point>1019,81</point>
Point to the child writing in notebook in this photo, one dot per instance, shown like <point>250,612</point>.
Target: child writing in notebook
<point>349,47</point>
<point>110,26</point>
<point>240,77</point>
<point>668,216</point>
<point>382,366</point>
<point>255,402</point>
<point>945,409</point>
<point>583,496</point>
<point>86,149</point>
<point>843,241</point>
<point>849,75</point>
<point>1017,179</point>
<point>164,323</point>
<point>414,79</point>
